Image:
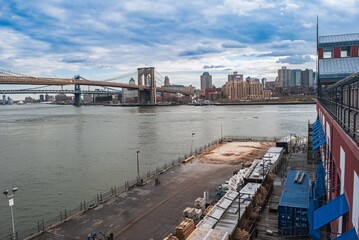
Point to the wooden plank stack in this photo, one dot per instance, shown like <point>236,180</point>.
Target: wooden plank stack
<point>170,237</point>
<point>184,229</point>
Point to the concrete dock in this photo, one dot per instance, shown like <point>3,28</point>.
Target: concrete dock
<point>146,212</point>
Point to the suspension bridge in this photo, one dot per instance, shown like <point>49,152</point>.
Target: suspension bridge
<point>147,80</point>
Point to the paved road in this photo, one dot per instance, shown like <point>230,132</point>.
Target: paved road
<point>147,212</point>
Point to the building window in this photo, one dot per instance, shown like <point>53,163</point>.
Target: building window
<point>345,52</point>
<point>327,52</point>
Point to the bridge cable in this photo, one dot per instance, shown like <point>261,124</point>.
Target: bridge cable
<point>10,73</point>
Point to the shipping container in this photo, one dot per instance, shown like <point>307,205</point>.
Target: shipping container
<point>287,143</point>
<point>293,205</point>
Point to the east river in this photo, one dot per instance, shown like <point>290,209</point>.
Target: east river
<point>59,156</point>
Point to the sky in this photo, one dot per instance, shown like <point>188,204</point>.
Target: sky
<point>181,39</point>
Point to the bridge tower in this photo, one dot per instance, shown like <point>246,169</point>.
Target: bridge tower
<point>146,77</point>
<point>77,100</point>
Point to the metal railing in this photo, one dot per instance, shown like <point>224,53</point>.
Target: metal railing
<point>64,215</point>
<point>341,100</point>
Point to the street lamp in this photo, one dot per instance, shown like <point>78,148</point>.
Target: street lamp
<point>11,203</point>
<point>138,168</point>
<point>192,142</point>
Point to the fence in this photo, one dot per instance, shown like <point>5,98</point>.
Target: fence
<point>66,214</point>
<point>341,100</point>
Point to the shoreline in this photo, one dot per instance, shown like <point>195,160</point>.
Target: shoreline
<point>204,105</point>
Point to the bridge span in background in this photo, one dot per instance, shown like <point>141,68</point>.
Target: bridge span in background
<point>146,85</point>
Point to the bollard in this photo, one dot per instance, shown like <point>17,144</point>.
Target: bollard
<point>61,215</point>
<point>98,198</point>
<point>101,197</point>
<point>81,207</point>
<point>38,226</point>
<point>65,214</point>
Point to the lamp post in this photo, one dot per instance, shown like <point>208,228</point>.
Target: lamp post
<point>138,168</point>
<point>11,203</point>
<point>221,133</point>
<point>192,142</point>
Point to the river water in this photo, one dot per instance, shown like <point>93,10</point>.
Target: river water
<point>59,156</point>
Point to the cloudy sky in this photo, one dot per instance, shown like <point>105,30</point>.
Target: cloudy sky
<point>182,39</point>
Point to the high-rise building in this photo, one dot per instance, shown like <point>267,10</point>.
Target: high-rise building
<point>206,81</point>
<point>264,80</point>
<point>307,78</point>
<point>248,89</point>
<point>132,81</point>
<point>235,76</point>
<point>315,77</point>
<point>296,78</point>
<point>289,78</point>
<point>284,76</point>
<point>167,81</point>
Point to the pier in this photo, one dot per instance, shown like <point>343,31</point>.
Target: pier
<point>145,212</point>
<point>153,209</point>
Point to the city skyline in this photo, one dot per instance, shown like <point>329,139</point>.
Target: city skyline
<point>182,40</point>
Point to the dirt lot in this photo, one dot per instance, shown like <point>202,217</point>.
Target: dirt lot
<point>235,152</point>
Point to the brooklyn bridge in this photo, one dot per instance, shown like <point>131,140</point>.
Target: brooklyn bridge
<point>148,84</point>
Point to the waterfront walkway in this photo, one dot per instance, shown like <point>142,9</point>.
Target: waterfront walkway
<point>146,212</point>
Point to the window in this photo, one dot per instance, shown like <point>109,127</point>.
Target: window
<point>345,52</point>
<point>327,52</point>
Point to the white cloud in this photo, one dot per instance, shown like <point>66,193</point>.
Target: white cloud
<point>347,6</point>
<point>53,11</point>
<point>16,45</point>
<point>289,5</point>
<point>244,7</point>
<point>100,39</point>
<point>157,8</point>
<point>308,25</point>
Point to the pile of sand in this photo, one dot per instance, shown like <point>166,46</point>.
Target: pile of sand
<point>235,152</point>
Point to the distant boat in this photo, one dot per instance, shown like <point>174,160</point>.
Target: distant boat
<point>204,103</point>
<point>20,103</point>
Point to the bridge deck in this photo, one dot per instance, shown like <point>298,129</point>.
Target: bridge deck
<point>24,80</point>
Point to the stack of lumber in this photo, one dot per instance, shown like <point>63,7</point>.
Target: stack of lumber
<point>184,229</point>
<point>170,237</point>
<point>207,210</point>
